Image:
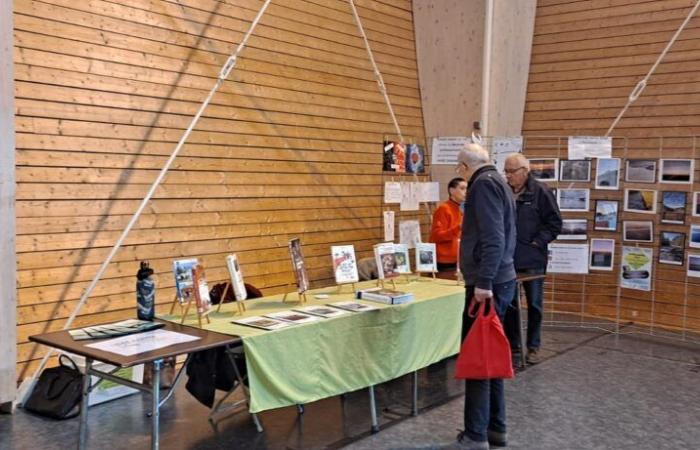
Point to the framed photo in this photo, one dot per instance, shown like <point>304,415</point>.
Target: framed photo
<point>638,231</point>
<point>606,215</point>
<point>640,171</point>
<point>602,254</point>
<point>695,207</point>
<point>545,169</point>
<point>693,265</point>
<point>679,171</point>
<point>573,229</point>
<point>640,201</point>
<point>694,236</point>
<point>673,207</point>
<point>573,199</point>
<point>575,170</point>
<point>608,174</point>
<point>672,248</point>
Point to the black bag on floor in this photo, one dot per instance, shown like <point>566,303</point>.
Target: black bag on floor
<point>57,392</point>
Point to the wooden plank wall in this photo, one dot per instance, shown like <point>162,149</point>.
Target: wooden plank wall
<point>586,58</point>
<point>289,147</point>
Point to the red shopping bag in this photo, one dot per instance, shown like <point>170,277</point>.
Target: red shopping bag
<point>485,351</point>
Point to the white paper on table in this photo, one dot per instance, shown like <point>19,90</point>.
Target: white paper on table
<point>409,233</point>
<point>142,342</point>
<point>409,197</point>
<point>429,192</point>
<point>445,149</point>
<point>568,258</point>
<point>502,146</point>
<point>392,192</point>
<point>582,147</point>
<point>388,226</point>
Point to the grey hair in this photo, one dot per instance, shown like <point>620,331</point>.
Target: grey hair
<point>474,155</point>
<point>522,160</point>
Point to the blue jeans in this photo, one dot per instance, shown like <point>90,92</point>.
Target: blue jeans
<point>484,400</point>
<point>534,292</point>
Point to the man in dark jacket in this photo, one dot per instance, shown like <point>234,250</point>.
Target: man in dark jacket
<point>486,262</point>
<point>538,223</point>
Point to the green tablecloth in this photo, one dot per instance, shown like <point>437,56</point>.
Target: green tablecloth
<point>305,363</point>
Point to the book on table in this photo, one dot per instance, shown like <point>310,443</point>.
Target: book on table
<point>353,306</point>
<point>426,257</point>
<point>386,296</point>
<point>201,290</point>
<point>322,311</point>
<point>385,257</point>
<point>236,275</point>
<point>264,323</point>
<point>298,265</point>
<point>184,286</point>
<point>292,316</point>
<point>344,264</point>
<point>403,261</point>
<point>115,329</point>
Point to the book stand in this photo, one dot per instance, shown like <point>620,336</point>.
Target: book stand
<point>340,287</point>
<point>302,295</point>
<point>239,304</point>
<point>187,304</point>
<point>380,283</point>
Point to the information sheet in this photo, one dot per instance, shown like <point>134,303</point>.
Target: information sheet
<point>134,344</point>
<point>568,258</point>
<point>582,147</point>
<point>445,149</point>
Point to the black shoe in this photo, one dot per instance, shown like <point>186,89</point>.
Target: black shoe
<point>497,439</point>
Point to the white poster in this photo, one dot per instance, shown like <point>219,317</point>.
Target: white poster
<point>392,192</point>
<point>582,147</point>
<point>409,196</point>
<point>429,192</point>
<point>388,226</point>
<point>636,268</point>
<point>445,149</point>
<point>502,146</point>
<point>344,264</point>
<point>409,233</point>
<point>568,258</point>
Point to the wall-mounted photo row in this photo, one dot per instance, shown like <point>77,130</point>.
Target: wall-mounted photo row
<point>640,171</point>
<point>672,248</point>
<point>695,207</point>
<point>694,236</point>
<point>640,201</point>
<point>602,254</point>
<point>679,171</point>
<point>573,229</point>
<point>608,174</point>
<point>638,231</point>
<point>606,215</point>
<point>578,170</point>
<point>673,207</point>
<point>545,169</point>
<point>573,199</point>
<point>693,265</point>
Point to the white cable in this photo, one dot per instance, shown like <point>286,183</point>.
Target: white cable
<point>637,91</point>
<point>377,73</point>
<point>223,74</point>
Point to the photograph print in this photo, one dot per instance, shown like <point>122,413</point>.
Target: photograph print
<point>545,169</point>
<point>602,254</point>
<point>672,248</point>
<point>640,201</point>
<point>673,207</point>
<point>679,171</point>
<point>605,215</point>
<point>575,170</point>
<point>573,199</point>
<point>693,265</point>
<point>608,174</point>
<point>637,231</point>
<point>573,229</point>
<point>696,204</point>
<point>694,236</point>
<point>640,171</point>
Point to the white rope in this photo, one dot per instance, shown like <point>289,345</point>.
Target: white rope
<point>637,91</point>
<point>377,73</point>
<point>223,74</point>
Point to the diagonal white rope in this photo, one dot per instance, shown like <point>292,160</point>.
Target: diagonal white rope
<point>637,91</point>
<point>223,74</point>
<point>377,73</point>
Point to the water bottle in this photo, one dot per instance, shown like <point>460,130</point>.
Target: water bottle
<point>145,292</point>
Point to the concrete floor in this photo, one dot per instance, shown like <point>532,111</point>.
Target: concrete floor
<point>594,391</point>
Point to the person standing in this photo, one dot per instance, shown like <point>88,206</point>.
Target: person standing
<point>486,262</point>
<point>538,223</point>
<point>447,227</point>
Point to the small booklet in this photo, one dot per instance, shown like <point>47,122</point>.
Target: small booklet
<point>353,306</point>
<point>322,311</point>
<point>426,259</point>
<point>387,296</point>
<point>403,261</point>
<point>386,260</point>
<point>115,329</point>
<point>234,271</point>
<point>292,316</point>
<point>264,323</point>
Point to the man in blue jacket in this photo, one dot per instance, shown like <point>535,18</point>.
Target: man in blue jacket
<point>538,223</point>
<point>486,262</point>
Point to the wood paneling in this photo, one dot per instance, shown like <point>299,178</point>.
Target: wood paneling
<point>290,146</point>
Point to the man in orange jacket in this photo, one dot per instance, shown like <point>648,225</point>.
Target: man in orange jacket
<point>447,227</point>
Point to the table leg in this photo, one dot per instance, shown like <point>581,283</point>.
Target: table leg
<point>155,407</point>
<point>414,410</point>
<point>373,410</point>
<point>521,334</point>
<point>84,401</point>
<point>256,421</point>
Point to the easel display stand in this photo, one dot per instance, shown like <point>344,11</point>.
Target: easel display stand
<point>185,308</point>
<point>340,287</point>
<point>301,295</point>
<point>239,304</point>
<point>380,283</point>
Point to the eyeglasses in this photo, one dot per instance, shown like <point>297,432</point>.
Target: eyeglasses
<point>513,171</point>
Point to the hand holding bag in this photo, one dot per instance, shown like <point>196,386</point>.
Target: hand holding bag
<point>57,392</point>
<point>485,352</point>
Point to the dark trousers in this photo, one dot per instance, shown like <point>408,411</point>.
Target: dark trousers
<point>534,293</point>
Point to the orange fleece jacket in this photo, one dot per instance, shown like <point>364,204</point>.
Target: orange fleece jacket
<point>446,230</point>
